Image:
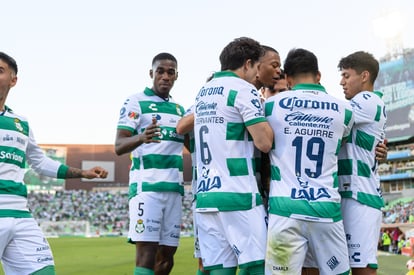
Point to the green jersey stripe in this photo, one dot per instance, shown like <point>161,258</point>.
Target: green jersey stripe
<point>6,213</point>
<point>231,99</point>
<point>162,161</point>
<point>275,173</point>
<point>235,131</point>
<point>162,187</point>
<point>363,169</point>
<point>14,124</point>
<point>237,167</point>
<point>12,155</point>
<point>9,187</point>
<point>344,167</point>
<point>370,200</point>
<point>227,201</point>
<point>285,206</point>
<point>149,107</point>
<point>269,108</point>
<point>364,140</point>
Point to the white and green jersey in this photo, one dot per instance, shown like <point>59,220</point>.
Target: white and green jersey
<point>224,107</point>
<point>357,172</point>
<point>309,126</point>
<point>156,167</point>
<point>190,111</point>
<point>16,148</point>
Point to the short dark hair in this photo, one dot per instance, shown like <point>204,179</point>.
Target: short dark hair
<point>300,61</point>
<point>238,51</point>
<point>361,61</point>
<point>9,61</point>
<point>164,56</point>
<point>268,49</point>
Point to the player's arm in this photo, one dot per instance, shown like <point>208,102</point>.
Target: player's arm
<point>262,135</point>
<point>381,151</point>
<point>185,124</point>
<point>44,165</point>
<point>126,142</point>
<point>95,172</point>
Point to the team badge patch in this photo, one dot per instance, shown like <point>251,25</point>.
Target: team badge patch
<point>140,227</point>
<point>18,125</point>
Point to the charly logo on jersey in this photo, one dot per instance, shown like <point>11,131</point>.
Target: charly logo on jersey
<point>308,193</point>
<point>206,182</point>
<point>140,227</point>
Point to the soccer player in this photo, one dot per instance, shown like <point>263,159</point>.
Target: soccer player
<point>304,202</point>
<point>228,119</point>
<point>23,246</point>
<point>147,128</point>
<point>358,177</point>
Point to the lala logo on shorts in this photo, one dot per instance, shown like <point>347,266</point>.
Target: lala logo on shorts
<point>140,227</point>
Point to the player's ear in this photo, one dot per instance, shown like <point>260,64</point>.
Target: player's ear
<point>13,81</point>
<point>318,77</point>
<point>151,73</point>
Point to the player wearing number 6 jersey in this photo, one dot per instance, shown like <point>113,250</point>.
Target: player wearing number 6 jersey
<point>304,202</point>
<point>228,119</point>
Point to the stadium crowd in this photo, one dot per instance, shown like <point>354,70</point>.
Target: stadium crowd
<point>106,212</point>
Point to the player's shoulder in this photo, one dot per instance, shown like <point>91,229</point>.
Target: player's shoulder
<point>10,113</point>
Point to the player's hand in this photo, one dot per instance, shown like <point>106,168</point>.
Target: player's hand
<point>381,151</point>
<point>151,133</point>
<point>95,172</point>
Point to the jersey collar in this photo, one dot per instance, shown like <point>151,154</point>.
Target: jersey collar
<point>150,92</point>
<point>309,86</point>
<point>378,93</point>
<point>224,74</point>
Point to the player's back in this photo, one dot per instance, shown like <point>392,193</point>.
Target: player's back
<point>309,127</point>
<point>223,108</point>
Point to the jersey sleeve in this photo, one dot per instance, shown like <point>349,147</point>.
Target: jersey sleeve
<point>39,162</point>
<point>130,115</point>
<point>250,106</point>
<point>363,108</point>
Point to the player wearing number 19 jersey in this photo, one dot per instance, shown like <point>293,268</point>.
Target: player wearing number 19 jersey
<point>304,202</point>
<point>228,120</point>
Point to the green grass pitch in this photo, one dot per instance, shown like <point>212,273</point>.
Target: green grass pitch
<point>114,256</point>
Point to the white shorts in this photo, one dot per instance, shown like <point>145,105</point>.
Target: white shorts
<point>197,253</point>
<point>362,227</point>
<point>155,217</point>
<point>23,246</point>
<point>232,238</point>
<point>291,241</point>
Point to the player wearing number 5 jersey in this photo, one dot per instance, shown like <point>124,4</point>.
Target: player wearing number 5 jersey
<point>304,202</point>
<point>228,120</point>
<point>146,129</point>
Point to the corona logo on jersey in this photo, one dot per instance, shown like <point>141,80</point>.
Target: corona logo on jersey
<point>291,103</point>
<point>210,91</point>
<point>207,183</point>
<point>308,193</point>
